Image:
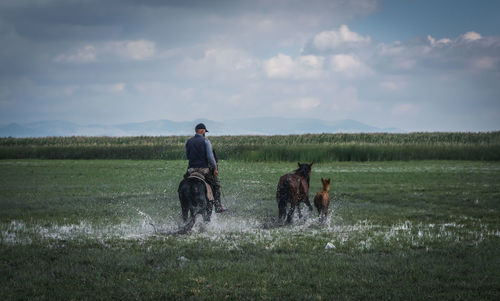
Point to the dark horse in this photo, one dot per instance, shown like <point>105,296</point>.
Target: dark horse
<point>293,188</point>
<point>193,197</point>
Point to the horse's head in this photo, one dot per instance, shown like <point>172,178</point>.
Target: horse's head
<point>304,170</point>
<point>326,184</point>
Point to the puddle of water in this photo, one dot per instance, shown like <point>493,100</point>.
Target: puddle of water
<point>232,231</point>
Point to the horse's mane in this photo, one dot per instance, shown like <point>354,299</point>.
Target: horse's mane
<point>302,171</point>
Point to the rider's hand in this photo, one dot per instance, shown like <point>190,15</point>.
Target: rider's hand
<point>216,172</point>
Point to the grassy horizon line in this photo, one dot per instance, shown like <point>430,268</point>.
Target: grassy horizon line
<point>306,147</point>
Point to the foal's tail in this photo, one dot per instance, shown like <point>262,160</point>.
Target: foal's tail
<point>283,197</point>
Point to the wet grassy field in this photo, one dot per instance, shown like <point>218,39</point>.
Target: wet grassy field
<point>99,229</point>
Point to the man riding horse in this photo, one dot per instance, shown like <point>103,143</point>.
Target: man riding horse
<point>201,158</point>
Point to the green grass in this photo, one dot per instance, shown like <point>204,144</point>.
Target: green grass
<point>317,147</point>
<point>80,229</point>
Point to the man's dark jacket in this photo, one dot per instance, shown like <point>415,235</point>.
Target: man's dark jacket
<point>196,152</point>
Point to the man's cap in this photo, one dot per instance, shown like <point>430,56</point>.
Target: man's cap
<point>200,126</point>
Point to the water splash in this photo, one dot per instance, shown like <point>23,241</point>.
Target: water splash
<point>233,232</point>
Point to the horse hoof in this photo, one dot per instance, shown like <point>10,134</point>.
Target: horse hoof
<point>220,210</point>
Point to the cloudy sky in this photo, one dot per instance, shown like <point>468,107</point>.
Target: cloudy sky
<point>412,64</point>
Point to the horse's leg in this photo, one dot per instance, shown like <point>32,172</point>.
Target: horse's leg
<point>192,213</point>
<point>187,226</point>
<point>188,221</point>
<point>185,212</point>
<point>283,197</point>
<point>323,214</point>
<point>290,213</point>
<point>298,209</point>
<point>282,211</point>
<point>208,211</point>
<point>306,201</point>
<point>282,204</point>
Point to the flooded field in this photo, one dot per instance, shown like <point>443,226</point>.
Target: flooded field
<point>71,228</point>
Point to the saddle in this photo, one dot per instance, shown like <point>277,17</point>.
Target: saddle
<point>200,176</point>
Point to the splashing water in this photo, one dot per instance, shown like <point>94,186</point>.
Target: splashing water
<point>231,231</point>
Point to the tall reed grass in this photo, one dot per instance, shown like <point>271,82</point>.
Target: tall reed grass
<point>317,148</point>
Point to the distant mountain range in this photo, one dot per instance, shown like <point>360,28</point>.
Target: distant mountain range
<point>247,126</point>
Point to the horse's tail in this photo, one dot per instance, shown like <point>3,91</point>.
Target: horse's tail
<point>283,197</point>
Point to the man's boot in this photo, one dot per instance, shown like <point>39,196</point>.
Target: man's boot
<point>218,206</point>
<point>217,203</point>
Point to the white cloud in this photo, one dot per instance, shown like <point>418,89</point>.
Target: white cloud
<point>393,49</point>
<point>284,66</point>
<point>328,40</point>
<point>109,88</point>
<point>344,62</point>
<point>221,63</point>
<point>471,36</point>
<point>309,66</point>
<point>485,63</point>
<point>440,42</point>
<point>310,61</point>
<point>405,63</point>
<point>349,65</point>
<point>440,55</point>
<point>280,66</point>
<point>83,55</point>
<point>136,50</point>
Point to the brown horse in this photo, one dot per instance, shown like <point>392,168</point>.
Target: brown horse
<point>293,188</point>
<point>322,199</point>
